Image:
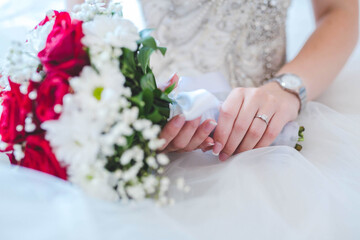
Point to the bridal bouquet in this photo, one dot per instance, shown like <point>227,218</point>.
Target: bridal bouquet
<point>80,102</point>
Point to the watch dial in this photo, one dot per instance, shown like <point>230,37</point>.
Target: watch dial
<point>290,82</point>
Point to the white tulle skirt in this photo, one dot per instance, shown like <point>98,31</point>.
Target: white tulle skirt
<point>269,193</point>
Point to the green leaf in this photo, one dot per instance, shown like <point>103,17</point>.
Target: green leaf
<point>146,32</point>
<point>97,93</point>
<point>130,140</point>
<point>137,100</point>
<point>166,98</point>
<point>129,58</point>
<point>148,42</point>
<point>128,64</point>
<point>157,93</point>
<point>148,98</point>
<point>162,50</point>
<point>144,57</point>
<point>170,89</point>
<point>148,82</point>
<point>155,117</point>
<point>165,111</point>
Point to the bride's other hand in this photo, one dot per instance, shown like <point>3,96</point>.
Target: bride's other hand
<point>182,136</point>
<point>239,129</point>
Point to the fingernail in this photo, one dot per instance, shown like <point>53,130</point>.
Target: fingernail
<point>223,157</point>
<point>210,144</point>
<point>217,148</point>
<point>179,121</point>
<point>210,126</point>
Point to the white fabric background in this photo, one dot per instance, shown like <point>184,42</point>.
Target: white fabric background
<point>58,211</point>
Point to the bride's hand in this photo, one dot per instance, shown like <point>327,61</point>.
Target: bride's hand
<point>239,129</point>
<point>184,136</point>
<point>181,136</point>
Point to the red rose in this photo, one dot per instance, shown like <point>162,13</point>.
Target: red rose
<point>39,156</point>
<point>50,93</point>
<point>16,106</point>
<point>64,51</point>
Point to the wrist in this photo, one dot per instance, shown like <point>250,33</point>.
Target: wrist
<point>287,97</point>
<point>292,84</point>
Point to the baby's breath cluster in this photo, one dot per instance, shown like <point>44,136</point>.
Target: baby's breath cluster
<point>88,10</point>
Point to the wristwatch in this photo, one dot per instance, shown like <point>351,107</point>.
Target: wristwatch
<point>292,84</point>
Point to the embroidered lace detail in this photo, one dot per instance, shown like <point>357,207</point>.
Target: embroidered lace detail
<point>243,39</point>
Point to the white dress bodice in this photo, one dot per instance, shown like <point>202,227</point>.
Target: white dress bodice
<point>245,40</point>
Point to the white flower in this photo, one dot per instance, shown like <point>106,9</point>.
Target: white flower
<point>150,184</point>
<point>22,61</point>
<point>89,81</point>
<point>151,161</point>
<point>142,124</point>
<point>29,125</point>
<point>20,64</point>
<point>162,159</point>
<point>75,135</point>
<point>152,132</point>
<point>131,174</point>
<point>155,144</point>
<point>135,153</point>
<point>126,157</point>
<point>110,30</point>
<point>136,192</point>
<point>130,115</point>
<point>91,8</point>
<point>94,179</point>
<point>3,145</point>
<point>18,152</point>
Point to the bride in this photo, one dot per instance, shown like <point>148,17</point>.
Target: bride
<point>240,187</point>
<point>261,192</point>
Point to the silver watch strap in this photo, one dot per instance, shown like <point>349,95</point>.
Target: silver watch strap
<point>300,92</point>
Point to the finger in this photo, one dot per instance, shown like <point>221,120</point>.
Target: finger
<point>184,136</point>
<point>171,130</point>
<point>201,134</point>
<point>207,149</point>
<point>241,126</point>
<point>276,124</point>
<point>228,113</point>
<point>209,142</point>
<point>173,80</point>
<point>255,132</point>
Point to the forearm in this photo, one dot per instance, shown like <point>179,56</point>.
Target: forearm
<point>326,51</point>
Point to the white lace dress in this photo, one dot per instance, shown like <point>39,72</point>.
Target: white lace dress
<point>270,193</point>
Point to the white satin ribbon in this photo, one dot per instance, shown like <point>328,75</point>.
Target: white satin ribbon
<point>195,104</point>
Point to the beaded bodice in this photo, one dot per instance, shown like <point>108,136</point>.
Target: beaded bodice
<point>243,39</point>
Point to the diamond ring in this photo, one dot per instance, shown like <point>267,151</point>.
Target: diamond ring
<point>263,117</point>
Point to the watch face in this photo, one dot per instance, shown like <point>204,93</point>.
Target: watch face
<point>291,82</point>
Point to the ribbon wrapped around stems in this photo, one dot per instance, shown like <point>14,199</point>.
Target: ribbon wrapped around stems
<point>205,104</point>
